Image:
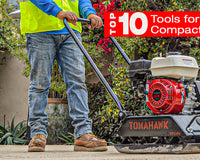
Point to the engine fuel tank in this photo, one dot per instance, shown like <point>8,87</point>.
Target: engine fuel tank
<point>175,66</point>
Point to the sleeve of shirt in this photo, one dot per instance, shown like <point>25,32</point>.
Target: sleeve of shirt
<point>47,6</point>
<point>85,8</point>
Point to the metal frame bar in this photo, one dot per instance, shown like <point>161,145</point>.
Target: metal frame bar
<point>82,20</point>
<point>120,50</point>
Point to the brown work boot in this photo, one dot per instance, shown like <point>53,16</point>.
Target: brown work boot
<point>89,142</point>
<point>37,143</point>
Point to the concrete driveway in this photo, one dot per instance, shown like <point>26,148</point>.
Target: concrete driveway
<point>65,152</point>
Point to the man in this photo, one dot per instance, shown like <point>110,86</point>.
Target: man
<point>49,40</point>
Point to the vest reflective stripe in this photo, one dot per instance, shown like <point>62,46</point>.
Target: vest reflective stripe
<point>34,20</point>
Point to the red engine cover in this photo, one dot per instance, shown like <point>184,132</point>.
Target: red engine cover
<point>165,96</point>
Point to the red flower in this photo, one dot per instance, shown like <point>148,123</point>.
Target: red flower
<point>100,7</point>
<point>95,6</point>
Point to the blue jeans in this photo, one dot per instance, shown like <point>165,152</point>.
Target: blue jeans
<point>43,49</point>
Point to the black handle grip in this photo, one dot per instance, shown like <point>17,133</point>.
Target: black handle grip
<point>82,20</point>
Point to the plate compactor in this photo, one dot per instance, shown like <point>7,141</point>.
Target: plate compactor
<point>172,95</point>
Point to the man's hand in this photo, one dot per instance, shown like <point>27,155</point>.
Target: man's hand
<point>96,21</point>
<point>71,16</point>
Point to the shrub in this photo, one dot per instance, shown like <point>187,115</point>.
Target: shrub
<point>11,134</point>
<point>136,47</point>
<point>10,38</point>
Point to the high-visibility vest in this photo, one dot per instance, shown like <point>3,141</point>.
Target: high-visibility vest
<point>34,20</point>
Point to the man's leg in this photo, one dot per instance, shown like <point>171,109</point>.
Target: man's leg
<point>71,61</point>
<point>41,54</point>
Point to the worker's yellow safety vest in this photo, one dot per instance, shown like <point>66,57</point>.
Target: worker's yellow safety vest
<point>34,20</point>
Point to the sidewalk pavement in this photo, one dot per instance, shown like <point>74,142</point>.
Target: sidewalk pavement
<point>65,152</point>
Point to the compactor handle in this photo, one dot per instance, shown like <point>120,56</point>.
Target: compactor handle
<point>82,20</point>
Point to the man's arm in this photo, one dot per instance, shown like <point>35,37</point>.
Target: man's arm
<point>47,6</point>
<point>85,8</point>
<point>87,11</point>
<point>51,8</point>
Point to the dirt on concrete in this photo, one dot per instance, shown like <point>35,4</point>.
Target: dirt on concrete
<point>65,152</point>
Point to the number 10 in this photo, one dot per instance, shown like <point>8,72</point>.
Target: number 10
<point>125,20</point>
